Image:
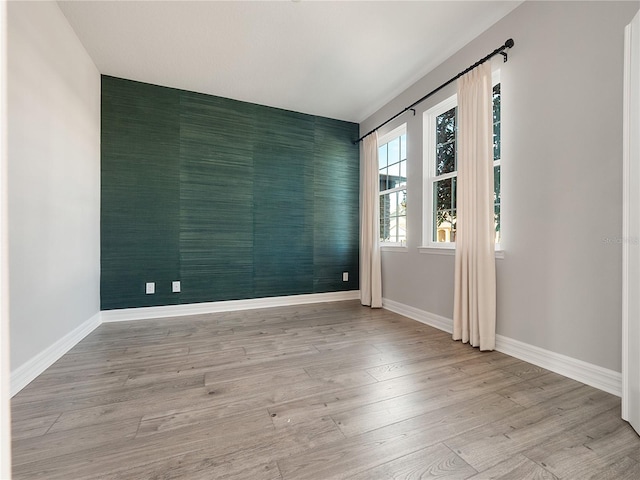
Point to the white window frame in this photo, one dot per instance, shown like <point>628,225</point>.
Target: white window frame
<point>429,174</point>
<point>386,138</point>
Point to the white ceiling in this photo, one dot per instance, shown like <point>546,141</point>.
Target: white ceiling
<point>337,59</point>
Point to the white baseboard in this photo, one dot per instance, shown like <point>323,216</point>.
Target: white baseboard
<point>431,319</point>
<point>27,372</point>
<point>143,313</point>
<point>602,378</point>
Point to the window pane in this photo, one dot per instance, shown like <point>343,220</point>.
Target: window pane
<point>496,213</point>
<point>444,200</point>
<point>384,218</point>
<point>398,229</point>
<point>496,184</point>
<point>446,142</point>
<point>445,229</point>
<point>402,205</point>
<point>496,156</point>
<point>384,229</point>
<point>394,150</point>
<point>446,126</point>
<point>402,229</point>
<point>403,173</point>
<point>393,221</point>
<point>446,158</point>
<point>403,147</point>
<point>383,180</point>
<point>394,175</point>
<point>496,122</point>
<point>382,156</point>
<point>393,204</point>
<point>496,141</point>
<point>384,205</point>
<point>496,103</point>
<point>496,199</point>
<point>444,195</point>
<point>393,229</point>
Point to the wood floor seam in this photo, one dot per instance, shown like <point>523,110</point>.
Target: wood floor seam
<point>542,465</point>
<point>54,422</point>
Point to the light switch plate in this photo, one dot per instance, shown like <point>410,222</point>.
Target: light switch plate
<point>175,287</point>
<point>151,288</point>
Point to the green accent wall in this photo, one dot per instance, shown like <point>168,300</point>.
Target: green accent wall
<point>234,200</point>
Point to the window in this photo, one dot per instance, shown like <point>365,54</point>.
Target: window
<point>392,166</point>
<point>441,158</point>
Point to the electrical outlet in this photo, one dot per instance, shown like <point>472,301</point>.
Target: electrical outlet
<point>175,287</point>
<point>150,288</point>
<point>345,276</point>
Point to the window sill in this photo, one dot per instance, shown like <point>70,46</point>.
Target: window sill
<point>438,250</point>
<point>393,247</point>
<point>451,251</point>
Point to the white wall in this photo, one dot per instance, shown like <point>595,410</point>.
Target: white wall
<point>559,285</point>
<point>54,180</point>
<point>5,389</point>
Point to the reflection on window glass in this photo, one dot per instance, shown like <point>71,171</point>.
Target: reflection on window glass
<point>382,156</point>
<point>393,217</point>
<point>444,199</point>
<point>394,151</point>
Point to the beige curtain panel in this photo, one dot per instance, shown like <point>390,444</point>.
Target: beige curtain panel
<point>370,269</point>
<point>474,311</point>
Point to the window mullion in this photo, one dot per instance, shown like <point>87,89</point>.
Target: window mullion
<point>393,190</point>
<point>444,176</point>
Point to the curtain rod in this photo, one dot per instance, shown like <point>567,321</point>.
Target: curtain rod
<point>500,50</point>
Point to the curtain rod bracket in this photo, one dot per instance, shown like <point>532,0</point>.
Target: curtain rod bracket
<point>414,111</point>
<point>505,55</point>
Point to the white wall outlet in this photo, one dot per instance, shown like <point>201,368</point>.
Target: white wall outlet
<point>151,288</point>
<point>175,287</point>
<point>345,276</point>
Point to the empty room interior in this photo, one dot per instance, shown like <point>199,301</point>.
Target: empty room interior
<point>287,240</point>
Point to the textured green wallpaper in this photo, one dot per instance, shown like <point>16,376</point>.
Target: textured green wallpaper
<point>233,199</point>
<point>140,202</point>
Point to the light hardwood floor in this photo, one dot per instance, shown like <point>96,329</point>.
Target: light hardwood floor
<point>326,391</point>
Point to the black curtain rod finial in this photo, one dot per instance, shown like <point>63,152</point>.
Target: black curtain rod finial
<point>508,44</point>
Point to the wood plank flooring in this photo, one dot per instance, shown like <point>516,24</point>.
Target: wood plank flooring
<point>326,391</point>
